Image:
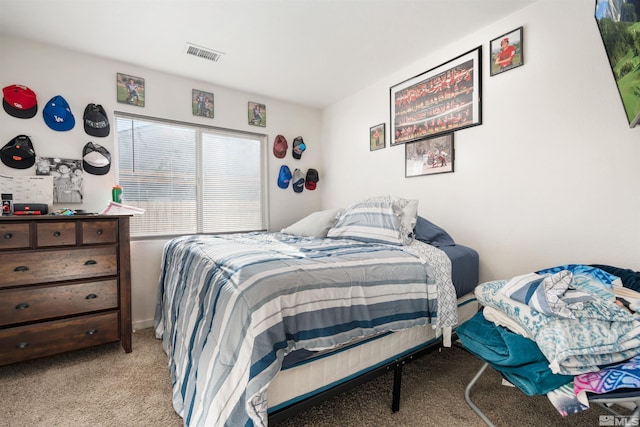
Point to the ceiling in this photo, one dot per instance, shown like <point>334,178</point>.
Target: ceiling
<point>308,52</point>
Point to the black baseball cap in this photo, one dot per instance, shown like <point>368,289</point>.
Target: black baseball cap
<point>18,153</point>
<point>96,122</point>
<point>96,159</point>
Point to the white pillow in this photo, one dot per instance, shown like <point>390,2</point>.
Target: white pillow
<point>369,221</point>
<point>316,224</point>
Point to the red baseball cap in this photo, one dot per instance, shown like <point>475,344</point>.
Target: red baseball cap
<point>280,147</point>
<point>19,101</point>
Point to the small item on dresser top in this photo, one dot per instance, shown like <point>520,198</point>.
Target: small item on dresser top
<point>298,147</point>
<point>280,147</point>
<point>7,204</point>
<point>57,114</point>
<point>298,181</point>
<point>116,194</point>
<point>96,122</point>
<point>30,209</point>
<point>19,101</point>
<point>18,153</point>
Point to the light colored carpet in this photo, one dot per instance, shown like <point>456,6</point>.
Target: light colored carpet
<point>104,386</point>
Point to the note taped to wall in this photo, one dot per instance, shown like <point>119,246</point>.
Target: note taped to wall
<point>28,189</point>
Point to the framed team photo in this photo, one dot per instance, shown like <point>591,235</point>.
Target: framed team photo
<point>257,114</point>
<point>377,137</point>
<point>507,52</point>
<point>130,90</point>
<point>441,100</point>
<point>202,103</point>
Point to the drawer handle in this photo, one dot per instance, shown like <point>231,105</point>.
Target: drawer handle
<point>99,232</point>
<point>21,268</point>
<point>22,345</point>
<point>91,296</point>
<point>8,235</point>
<point>22,306</point>
<point>92,332</point>
<point>56,234</point>
<point>91,262</point>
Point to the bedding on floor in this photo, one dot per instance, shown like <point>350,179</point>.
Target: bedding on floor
<point>579,318</point>
<point>231,306</point>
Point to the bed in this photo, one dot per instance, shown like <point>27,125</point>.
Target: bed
<point>255,324</point>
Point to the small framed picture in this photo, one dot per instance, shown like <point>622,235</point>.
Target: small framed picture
<point>202,103</point>
<point>130,90</point>
<point>376,137</point>
<point>429,156</point>
<point>257,114</point>
<point>507,52</point>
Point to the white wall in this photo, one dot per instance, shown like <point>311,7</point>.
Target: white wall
<point>550,177</point>
<point>83,79</point>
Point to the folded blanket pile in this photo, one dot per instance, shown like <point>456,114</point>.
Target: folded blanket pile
<point>517,358</point>
<point>598,334</point>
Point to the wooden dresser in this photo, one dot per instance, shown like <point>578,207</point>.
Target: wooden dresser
<point>65,284</point>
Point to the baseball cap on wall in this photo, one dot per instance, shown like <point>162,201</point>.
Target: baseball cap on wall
<point>57,114</point>
<point>280,147</point>
<point>284,177</point>
<point>96,122</point>
<point>312,179</point>
<point>19,101</point>
<point>18,153</point>
<point>298,181</point>
<point>298,147</point>
<point>96,159</point>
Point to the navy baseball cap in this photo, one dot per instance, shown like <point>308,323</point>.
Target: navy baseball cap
<point>298,147</point>
<point>298,181</point>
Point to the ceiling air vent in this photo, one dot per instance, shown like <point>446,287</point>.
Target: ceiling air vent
<point>203,52</point>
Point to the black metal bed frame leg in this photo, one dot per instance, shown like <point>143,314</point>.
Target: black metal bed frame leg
<point>397,382</point>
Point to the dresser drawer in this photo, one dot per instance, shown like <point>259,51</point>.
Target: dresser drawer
<point>27,304</point>
<point>53,266</point>
<point>14,236</point>
<point>56,233</point>
<point>99,232</point>
<point>47,338</point>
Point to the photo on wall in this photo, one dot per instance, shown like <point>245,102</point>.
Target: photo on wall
<point>507,52</point>
<point>442,100</point>
<point>202,103</point>
<point>130,90</point>
<point>68,178</point>
<point>376,137</point>
<point>429,156</point>
<point>257,114</point>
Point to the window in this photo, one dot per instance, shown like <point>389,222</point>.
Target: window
<point>191,179</point>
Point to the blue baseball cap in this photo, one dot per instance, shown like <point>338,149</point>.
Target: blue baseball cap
<point>57,114</point>
<point>284,176</point>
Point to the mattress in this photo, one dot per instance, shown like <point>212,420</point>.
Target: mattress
<point>305,373</point>
<point>305,378</point>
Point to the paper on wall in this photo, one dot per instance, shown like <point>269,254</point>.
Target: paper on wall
<point>28,189</point>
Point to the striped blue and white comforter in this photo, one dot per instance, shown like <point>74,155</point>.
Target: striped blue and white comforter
<point>231,306</point>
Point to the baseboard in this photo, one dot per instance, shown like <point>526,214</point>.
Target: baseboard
<point>142,324</point>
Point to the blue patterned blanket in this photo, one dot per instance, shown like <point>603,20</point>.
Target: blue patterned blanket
<point>599,334</point>
<point>231,306</point>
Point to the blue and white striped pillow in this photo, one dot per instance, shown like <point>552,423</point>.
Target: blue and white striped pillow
<point>370,222</point>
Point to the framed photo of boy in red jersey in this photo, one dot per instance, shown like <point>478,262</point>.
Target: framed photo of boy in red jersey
<point>507,52</point>
<point>442,100</point>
